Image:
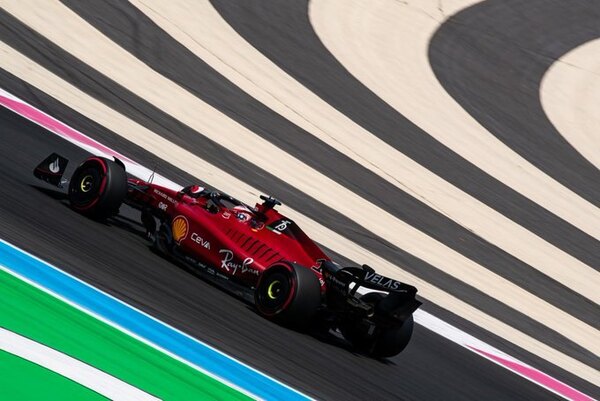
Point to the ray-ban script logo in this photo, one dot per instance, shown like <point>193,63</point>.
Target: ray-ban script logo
<point>227,264</point>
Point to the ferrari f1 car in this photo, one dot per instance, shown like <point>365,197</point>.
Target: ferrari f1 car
<point>256,251</point>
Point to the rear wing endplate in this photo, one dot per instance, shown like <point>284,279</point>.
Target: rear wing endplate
<point>52,169</point>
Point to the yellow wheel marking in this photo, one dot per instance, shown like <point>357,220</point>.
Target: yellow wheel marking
<point>86,183</point>
<point>271,289</point>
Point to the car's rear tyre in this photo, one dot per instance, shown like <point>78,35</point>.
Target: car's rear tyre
<point>288,293</point>
<point>163,240</point>
<point>98,187</point>
<point>383,342</point>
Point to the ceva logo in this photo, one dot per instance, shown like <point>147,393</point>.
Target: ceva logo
<point>180,228</point>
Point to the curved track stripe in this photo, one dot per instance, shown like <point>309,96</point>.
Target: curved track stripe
<point>283,33</point>
<point>137,109</point>
<point>129,72</point>
<point>198,167</point>
<point>144,39</point>
<point>491,58</point>
<point>370,39</point>
<point>193,303</point>
<point>454,334</point>
<point>366,214</point>
<point>222,48</point>
<point>570,95</point>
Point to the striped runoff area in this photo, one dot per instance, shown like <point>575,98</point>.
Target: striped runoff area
<point>213,362</point>
<point>568,91</point>
<point>378,126</point>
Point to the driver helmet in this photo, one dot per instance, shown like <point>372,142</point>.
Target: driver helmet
<point>242,212</point>
<point>194,191</point>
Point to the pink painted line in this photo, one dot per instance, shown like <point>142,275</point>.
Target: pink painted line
<point>57,127</point>
<point>536,376</point>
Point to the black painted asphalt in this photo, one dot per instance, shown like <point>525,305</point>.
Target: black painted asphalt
<point>501,88</point>
<point>117,97</point>
<point>117,259</point>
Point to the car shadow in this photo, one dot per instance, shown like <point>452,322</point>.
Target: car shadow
<point>121,220</point>
<point>329,337</point>
<point>52,193</point>
<point>127,224</point>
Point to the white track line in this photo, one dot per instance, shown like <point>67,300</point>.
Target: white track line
<point>493,354</point>
<point>384,43</point>
<point>71,368</point>
<point>570,95</point>
<point>216,43</point>
<point>186,161</point>
<point>76,36</point>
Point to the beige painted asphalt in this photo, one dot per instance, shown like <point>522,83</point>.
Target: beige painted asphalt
<point>570,95</point>
<point>133,74</point>
<point>217,43</point>
<point>91,108</point>
<point>370,39</point>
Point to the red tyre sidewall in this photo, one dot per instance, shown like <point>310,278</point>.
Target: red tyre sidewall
<point>102,164</point>
<point>293,284</point>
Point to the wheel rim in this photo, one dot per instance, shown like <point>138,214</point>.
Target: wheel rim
<point>274,293</point>
<point>87,186</point>
<point>274,289</point>
<point>87,183</point>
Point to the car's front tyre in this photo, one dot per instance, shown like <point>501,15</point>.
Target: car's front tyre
<point>98,187</point>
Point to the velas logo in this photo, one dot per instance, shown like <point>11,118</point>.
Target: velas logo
<point>180,228</point>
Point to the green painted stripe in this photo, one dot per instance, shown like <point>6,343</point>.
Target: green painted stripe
<point>37,315</point>
<point>21,380</point>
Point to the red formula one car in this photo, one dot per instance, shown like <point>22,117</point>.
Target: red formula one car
<point>254,251</point>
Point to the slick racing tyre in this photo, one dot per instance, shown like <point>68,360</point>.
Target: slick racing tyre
<point>382,342</point>
<point>97,188</point>
<point>288,293</point>
<point>163,241</point>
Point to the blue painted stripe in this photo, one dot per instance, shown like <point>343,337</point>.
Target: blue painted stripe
<point>145,326</point>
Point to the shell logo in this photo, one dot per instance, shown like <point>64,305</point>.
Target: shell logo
<point>180,228</point>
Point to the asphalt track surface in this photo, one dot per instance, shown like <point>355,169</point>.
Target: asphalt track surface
<point>283,33</point>
<point>509,106</point>
<point>42,223</point>
<point>431,367</point>
<point>114,19</point>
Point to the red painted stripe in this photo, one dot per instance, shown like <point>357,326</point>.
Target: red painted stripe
<point>536,376</point>
<point>56,126</point>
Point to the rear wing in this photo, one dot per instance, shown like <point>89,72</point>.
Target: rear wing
<point>53,167</point>
<point>365,276</point>
<point>398,305</point>
<point>51,170</point>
